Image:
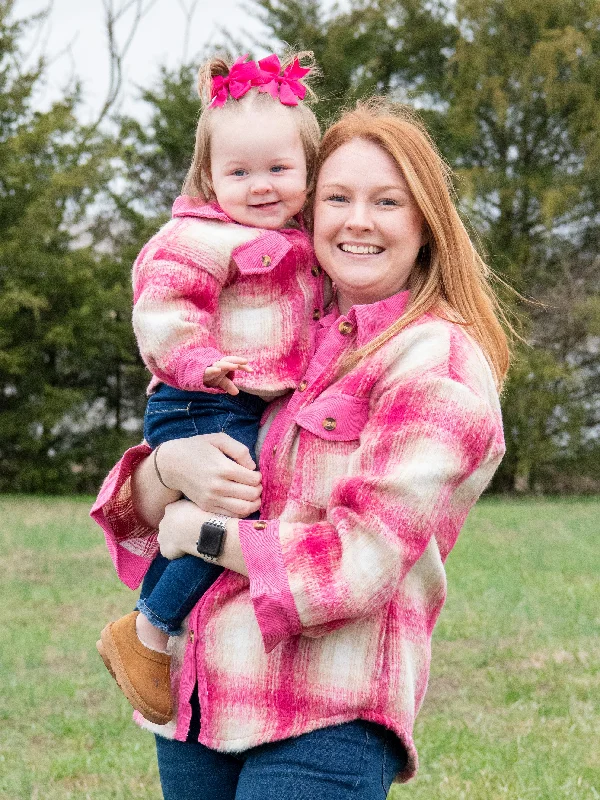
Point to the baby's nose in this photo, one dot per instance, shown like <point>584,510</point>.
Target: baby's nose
<point>261,186</point>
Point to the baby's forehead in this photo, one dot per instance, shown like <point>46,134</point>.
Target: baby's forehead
<point>254,123</point>
<point>254,106</point>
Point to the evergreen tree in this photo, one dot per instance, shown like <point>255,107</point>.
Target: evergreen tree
<point>523,115</point>
<point>59,300</point>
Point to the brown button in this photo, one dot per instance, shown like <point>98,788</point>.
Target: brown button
<point>266,261</point>
<point>191,636</point>
<point>302,386</point>
<point>274,449</point>
<point>329,423</point>
<point>345,328</point>
<point>316,271</point>
<point>316,314</point>
<point>260,525</point>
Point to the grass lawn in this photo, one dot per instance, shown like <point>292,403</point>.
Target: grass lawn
<point>512,709</point>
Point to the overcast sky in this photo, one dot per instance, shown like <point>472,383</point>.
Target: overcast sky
<point>74,39</point>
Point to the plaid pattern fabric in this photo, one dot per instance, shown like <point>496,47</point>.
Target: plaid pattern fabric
<point>367,482</point>
<point>205,287</point>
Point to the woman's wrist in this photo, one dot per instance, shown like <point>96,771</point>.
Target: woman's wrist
<point>166,466</point>
<point>231,556</point>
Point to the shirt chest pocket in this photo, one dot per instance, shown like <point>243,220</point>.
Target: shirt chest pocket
<point>335,417</point>
<point>262,255</point>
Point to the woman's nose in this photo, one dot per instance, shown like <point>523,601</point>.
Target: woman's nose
<point>359,217</point>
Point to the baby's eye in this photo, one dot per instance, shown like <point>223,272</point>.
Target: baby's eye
<point>239,173</point>
<point>278,168</point>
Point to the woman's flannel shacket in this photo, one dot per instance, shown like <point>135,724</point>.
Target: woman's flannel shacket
<point>205,286</point>
<point>367,482</point>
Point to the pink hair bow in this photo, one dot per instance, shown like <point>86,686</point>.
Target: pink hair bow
<point>243,75</point>
<point>287,87</point>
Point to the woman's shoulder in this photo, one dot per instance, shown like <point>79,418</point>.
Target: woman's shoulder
<point>437,347</point>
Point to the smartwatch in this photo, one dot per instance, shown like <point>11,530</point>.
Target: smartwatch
<point>212,538</point>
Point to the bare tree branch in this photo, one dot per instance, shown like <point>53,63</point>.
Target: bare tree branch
<point>188,11</point>
<point>117,52</point>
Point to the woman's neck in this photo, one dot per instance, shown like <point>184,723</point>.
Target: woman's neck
<point>344,303</point>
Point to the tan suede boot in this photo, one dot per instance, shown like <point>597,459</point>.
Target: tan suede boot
<point>143,675</point>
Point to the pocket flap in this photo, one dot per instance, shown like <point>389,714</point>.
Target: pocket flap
<point>261,255</point>
<point>337,417</point>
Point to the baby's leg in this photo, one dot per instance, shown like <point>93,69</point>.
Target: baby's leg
<point>134,647</point>
<point>182,583</point>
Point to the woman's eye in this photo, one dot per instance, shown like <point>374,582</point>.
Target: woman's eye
<point>388,201</point>
<point>337,198</point>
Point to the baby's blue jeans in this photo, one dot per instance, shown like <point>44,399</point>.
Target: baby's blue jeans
<point>172,588</point>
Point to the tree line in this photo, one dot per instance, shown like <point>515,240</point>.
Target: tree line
<point>509,90</point>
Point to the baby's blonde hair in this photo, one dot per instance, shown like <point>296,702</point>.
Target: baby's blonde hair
<point>198,181</point>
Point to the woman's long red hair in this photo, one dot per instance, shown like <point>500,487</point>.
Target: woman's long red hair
<point>450,278</point>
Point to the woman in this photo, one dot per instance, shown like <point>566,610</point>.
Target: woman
<point>310,670</point>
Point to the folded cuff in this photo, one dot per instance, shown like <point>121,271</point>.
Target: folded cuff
<point>132,544</point>
<point>270,592</point>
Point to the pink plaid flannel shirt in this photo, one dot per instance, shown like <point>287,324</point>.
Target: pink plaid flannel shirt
<point>367,482</point>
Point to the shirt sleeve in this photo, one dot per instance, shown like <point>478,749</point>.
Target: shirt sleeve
<point>427,451</point>
<point>176,294</point>
<point>132,544</point>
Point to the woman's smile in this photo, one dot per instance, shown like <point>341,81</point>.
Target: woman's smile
<point>361,249</point>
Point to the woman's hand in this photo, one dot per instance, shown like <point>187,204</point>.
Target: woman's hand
<point>214,471</point>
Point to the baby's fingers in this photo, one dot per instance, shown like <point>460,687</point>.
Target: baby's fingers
<point>235,362</point>
<point>228,385</point>
<point>236,359</point>
<point>229,366</point>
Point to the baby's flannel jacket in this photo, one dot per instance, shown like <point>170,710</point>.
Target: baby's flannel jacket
<point>205,286</point>
<point>367,480</point>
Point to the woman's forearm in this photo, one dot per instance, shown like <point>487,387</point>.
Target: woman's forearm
<point>149,496</point>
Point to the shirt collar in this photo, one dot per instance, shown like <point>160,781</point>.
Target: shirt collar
<point>186,206</point>
<point>370,319</point>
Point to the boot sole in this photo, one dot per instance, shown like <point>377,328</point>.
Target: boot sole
<point>107,664</point>
<point>113,663</point>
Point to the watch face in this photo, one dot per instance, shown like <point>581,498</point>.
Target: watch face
<point>211,539</point>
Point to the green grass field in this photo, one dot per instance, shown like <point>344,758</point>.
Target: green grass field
<point>512,709</point>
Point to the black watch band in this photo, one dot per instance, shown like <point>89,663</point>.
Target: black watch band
<point>212,538</point>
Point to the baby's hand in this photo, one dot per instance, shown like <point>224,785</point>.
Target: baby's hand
<point>220,373</point>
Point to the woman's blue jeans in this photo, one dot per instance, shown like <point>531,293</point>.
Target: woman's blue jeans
<point>345,762</point>
<point>172,588</point>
